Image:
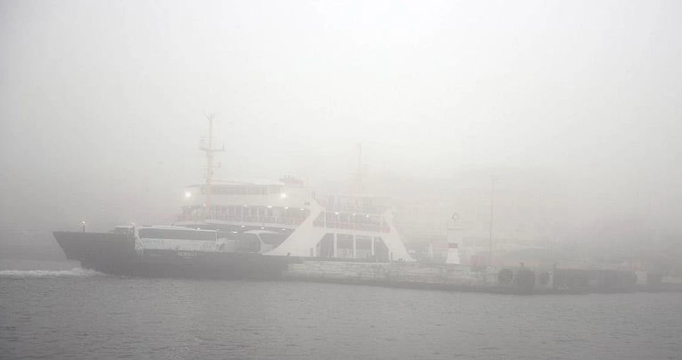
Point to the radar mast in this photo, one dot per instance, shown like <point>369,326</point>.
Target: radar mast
<point>210,151</point>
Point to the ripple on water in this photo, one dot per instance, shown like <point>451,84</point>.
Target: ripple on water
<point>69,316</point>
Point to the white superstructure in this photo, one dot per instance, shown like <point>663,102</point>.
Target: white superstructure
<point>239,206</point>
<point>290,219</point>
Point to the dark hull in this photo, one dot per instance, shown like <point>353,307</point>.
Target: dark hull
<point>81,246</point>
<point>115,254</point>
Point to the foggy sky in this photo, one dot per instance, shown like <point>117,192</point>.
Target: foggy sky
<point>102,102</point>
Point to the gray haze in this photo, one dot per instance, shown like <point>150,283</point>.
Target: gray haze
<point>102,102</point>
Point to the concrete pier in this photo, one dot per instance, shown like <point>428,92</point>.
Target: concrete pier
<point>407,275</point>
<point>516,280</point>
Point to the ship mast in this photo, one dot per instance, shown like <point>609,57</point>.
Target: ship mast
<point>209,150</point>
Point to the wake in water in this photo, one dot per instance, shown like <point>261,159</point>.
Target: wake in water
<point>75,272</point>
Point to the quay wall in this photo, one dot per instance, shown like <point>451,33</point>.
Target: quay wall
<point>402,274</point>
<point>519,280</point>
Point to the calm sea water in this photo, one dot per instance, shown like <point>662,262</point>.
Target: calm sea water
<point>59,311</point>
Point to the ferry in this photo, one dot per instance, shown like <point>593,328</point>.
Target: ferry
<point>230,229</point>
<point>250,231</point>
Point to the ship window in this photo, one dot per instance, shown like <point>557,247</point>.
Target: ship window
<point>344,241</point>
<point>177,234</point>
<point>364,243</point>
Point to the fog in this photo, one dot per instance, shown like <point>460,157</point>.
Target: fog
<point>458,157</point>
<point>102,103</point>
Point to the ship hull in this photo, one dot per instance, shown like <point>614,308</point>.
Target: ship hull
<point>115,254</point>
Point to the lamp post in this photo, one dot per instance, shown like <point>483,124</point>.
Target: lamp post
<point>83,226</point>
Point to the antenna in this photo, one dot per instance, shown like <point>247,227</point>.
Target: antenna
<point>209,150</point>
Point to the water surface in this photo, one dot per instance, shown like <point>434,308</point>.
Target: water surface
<point>59,311</point>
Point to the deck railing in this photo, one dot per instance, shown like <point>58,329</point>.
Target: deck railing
<point>354,226</point>
<point>287,221</point>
